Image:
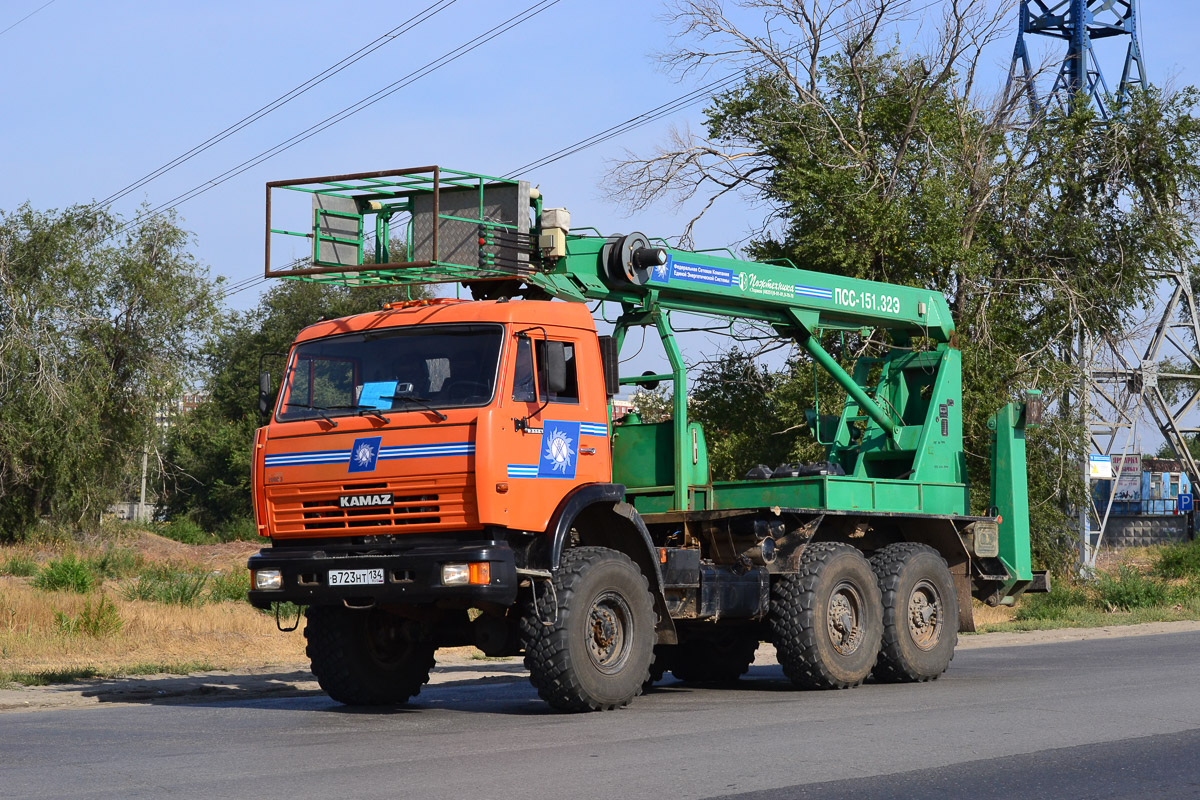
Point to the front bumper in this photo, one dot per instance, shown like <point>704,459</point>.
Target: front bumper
<point>412,575</point>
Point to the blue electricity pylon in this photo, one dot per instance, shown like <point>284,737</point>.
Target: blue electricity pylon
<point>1079,23</point>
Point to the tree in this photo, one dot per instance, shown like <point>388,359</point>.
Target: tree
<point>891,165</point>
<point>100,324</point>
<point>207,473</point>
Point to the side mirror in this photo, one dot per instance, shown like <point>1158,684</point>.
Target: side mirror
<point>264,393</point>
<point>556,367</point>
<point>609,363</point>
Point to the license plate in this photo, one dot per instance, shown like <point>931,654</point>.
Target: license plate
<point>355,577</point>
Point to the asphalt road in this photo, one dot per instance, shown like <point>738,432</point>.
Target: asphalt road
<point>1086,719</point>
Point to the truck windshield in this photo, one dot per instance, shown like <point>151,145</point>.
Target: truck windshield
<point>400,369</point>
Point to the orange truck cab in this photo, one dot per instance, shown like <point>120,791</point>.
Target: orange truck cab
<point>417,457</point>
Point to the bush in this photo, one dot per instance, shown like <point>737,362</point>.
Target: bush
<point>116,562</point>
<point>65,574</point>
<point>1053,604</point>
<point>1130,589</point>
<point>170,585</point>
<point>19,565</point>
<point>243,529</point>
<point>1179,560</point>
<point>97,621</point>
<point>187,531</point>
<point>231,586</point>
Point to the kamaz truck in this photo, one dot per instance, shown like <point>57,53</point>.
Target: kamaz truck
<point>450,472</point>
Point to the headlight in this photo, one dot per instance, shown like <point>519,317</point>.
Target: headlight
<point>265,579</point>
<point>455,574</point>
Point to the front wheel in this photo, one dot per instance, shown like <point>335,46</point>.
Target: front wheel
<point>593,652</point>
<point>367,658</point>
<point>920,613</point>
<point>826,619</point>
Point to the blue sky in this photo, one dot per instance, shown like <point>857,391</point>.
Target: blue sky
<point>99,94</point>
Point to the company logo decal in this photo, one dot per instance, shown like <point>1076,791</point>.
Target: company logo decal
<point>364,453</point>
<point>558,450</point>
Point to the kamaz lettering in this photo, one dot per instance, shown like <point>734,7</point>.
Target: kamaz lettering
<point>364,500</point>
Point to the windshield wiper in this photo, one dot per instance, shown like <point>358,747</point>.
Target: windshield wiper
<point>363,410</point>
<point>421,401</point>
<point>320,412</point>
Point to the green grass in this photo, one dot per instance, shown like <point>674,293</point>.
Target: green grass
<point>48,676</point>
<point>97,621</point>
<point>188,531</point>
<point>170,585</point>
<point>228,586</point>
<point>1061,598</point>
<point>1129,590</point>
<point>166,668</point>
<point>19,565</point>
<point>116,562</point>
<point>77,674</point>
<point>66,574</point>
<point>1179,560</point>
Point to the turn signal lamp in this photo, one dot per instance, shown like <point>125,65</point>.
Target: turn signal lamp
<point>478,573</point>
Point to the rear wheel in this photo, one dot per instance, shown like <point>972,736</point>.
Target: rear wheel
<point>717,657</point>
<point>594,651</point>
<point>826,620</point>
<point>367,658</point>
<point>920,613</point>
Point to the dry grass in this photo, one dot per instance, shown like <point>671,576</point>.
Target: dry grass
<point>222,635</point>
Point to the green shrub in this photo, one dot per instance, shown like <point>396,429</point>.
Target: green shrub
<point>97,621</point>
<point>65,574</point>
<point>1053,604</point>
<point>187,531</point>
<point>243,529</point>
<point>231,586</point>
<point>170,585</point>
<point>19,565</point>
<point>116,562</point>
<point>1179,560</point>
<point>1130,589</point>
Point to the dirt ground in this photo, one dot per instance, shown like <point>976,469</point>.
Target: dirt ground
<point>455,666</point>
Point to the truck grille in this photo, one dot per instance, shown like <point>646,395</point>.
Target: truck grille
<point>417,505</point>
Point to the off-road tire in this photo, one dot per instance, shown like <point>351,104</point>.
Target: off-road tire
<point>596,650</point>
<point>366,658</point>
<point>719,657</point>
<point>920,613</point>
<point>816,648</point>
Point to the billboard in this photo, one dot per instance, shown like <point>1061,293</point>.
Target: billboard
<point>1128,471</point>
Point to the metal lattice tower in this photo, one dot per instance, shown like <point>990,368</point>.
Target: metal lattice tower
<point>1135,374</point>
<point>1079,23</point>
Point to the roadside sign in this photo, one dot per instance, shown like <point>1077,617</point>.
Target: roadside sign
<point>1184,503</point>
<point>1100,467</point>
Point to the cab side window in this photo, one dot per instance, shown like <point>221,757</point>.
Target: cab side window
<point>531,352</point>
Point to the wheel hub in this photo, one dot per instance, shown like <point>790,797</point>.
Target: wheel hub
<point>845,618</point>
<point>609,633</point>
<point>925,615</point>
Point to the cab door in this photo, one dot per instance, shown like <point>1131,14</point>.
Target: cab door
<point>557,409</point>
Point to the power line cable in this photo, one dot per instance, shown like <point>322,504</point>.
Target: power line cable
<point>686,100</point>
<point>327,73</point>
<point>27,16</point>
<point>668,108</point>
<point>348,111</point>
